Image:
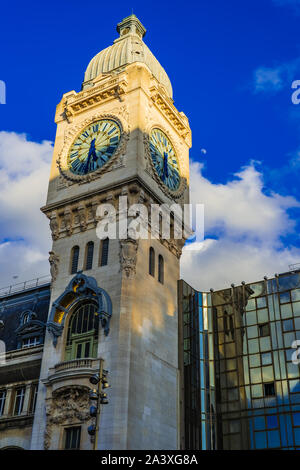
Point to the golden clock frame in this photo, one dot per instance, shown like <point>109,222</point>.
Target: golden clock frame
<point>72,134</point>
<point>178,193</point>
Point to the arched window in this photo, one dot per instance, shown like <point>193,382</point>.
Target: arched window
<point>160,269</point>
<point>103,258</point>
<point>152,261</point>
<point>74,259</point>
<point>82,336</point>
<point>89,255</point>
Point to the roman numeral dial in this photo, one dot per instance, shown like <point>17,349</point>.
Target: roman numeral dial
<point>164,159</point>
<point>94,146</point>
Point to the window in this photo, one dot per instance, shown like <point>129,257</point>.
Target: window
<point>161,269</point>
<point>231,326</point>
<point>264,329</point>
<point>152,261</point>
<point>30,342</point>
<point>33,397</point>
<point>19,400</point>
<point>288,325</point>
<point>104,252</point>
<point>74,259</point>
<point>2,401</point>
<point>82,336</point>
<point>89,255</point>
<point>269,389</point>
<point>225,323</point>
<point>72,438</point>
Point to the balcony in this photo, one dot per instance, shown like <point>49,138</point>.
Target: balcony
<point>75,372</point>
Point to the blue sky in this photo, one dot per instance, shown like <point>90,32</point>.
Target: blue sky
<point>231,65</point>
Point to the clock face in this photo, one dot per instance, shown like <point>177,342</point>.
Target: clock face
<point>94,146</point>
<point>164,159</point>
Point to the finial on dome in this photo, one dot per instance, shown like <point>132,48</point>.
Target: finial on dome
<point>131,25</point>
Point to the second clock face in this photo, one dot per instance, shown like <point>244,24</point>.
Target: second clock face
<point>164,159</point>
<point>94,146</point>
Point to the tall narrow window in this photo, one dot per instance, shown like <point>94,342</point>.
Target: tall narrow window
<point>152,261</point>
<point>2,401</point>
<point>72,437</point>
<point>161,269</point>
<point>89,255</point>
<point>82,337</point>
<point>19,400</point>
<point>104,252</point>
<point>33,397</point>
<point>74,259</point>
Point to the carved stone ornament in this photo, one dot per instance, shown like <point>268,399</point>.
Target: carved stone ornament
<point>54,227</point>
<point>79,289</point>
<point>67,406</point>
<point>53,260</point>
<point>128,256</point>
<point>176,195</point>
<point>70,136</point>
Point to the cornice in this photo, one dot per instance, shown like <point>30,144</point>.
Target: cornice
<point>174,117</point>
<point>106,89</point>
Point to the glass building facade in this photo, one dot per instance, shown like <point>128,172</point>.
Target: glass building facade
<point>239,361</point>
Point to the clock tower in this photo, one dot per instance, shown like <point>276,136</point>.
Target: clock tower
<point>120,141</point>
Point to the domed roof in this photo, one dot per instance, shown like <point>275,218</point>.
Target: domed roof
<point>127,49</point>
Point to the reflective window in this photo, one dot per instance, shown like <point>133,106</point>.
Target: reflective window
<point>19,400</point>
<point>82,333</point>
<point>2,401</point>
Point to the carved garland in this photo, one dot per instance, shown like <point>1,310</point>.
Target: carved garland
<point>71,134</point>
<point>150,166</point>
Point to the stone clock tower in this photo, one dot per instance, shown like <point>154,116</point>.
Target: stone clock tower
<point>116,299</point>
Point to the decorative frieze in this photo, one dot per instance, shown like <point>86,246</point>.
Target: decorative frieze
<point>67,406</point>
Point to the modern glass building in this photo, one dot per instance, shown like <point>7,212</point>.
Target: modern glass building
<point>240,384</point>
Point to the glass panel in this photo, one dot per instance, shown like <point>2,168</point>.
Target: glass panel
<point>286,311</point>
<point>296,419</point>
<point>288,325</point>
<point>265,344</point>
<point>273,439</point>
<point>284,297</point>
<point>295,294</point>
<point>272,421</point>
<point>262,315</point>
<point>253,346</point>
<point>261,302</point>
<point>258,289</point>
<point>252,332</point>
<point>266,358</point>
<point>260,440</point>
<point>254,360</point>
<point>288,282</point>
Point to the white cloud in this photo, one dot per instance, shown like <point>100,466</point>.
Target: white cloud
<point>24,230</point>
<point>269,79</point>
<point>248,225</point>
<point>274,79</point>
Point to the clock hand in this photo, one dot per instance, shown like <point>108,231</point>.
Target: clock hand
<point>166,169</point>
<point>92,153</point>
